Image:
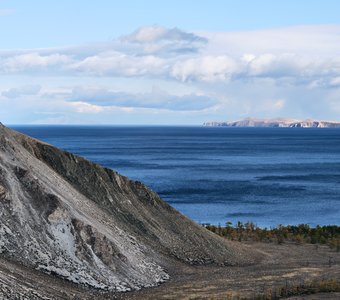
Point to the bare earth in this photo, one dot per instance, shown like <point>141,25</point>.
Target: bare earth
<point>289,264</point>
<point>284,264</point>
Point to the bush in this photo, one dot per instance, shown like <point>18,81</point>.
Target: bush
<point>303,233</point>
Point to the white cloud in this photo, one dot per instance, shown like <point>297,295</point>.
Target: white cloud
<point>206,68</point>
<point>83,107</point>
<point>33,61</point>
<point>21,91</point>
<point>177,55</point>
<point>279,104</point>
<point>312,40</point>
<point>156,99</point>
<point>120,64</point>
<point>6,12</point>
<point>165,42</point>
<point>290,72</point>
<point>248,57</point>
<point>335,81</point>
<point>155,33</point>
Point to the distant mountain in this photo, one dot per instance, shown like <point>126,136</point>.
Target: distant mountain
<point>280,122</point>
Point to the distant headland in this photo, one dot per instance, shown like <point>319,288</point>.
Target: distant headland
<point>280,122</point>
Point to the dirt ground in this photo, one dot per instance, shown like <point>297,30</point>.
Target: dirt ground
<point>286,264</point>
<point>321,296</point>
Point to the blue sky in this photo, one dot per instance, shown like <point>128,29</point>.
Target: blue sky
<point>174,62</point>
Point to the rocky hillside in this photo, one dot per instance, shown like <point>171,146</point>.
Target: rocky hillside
<point>249,122</point>
<point>66,216</point>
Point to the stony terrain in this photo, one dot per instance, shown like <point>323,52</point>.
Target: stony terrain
<point>65,216</point>
<point>285,264</point>
<point>250,122</point>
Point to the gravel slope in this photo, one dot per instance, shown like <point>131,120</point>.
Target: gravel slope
<point>66,216</point>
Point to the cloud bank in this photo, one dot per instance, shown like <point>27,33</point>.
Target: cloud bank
<point>293,72</point>
<point>157,99</point>
<point>181,56</point>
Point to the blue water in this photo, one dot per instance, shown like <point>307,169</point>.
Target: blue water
<point>269,176</point>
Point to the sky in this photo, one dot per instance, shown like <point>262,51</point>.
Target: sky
<point>168,62</point>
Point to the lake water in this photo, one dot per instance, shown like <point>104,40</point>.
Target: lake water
<point>269,176</point>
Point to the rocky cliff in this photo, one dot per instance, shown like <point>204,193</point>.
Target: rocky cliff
<point>249,122</point>
<point>69,217</point>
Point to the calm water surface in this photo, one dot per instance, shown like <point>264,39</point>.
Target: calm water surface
<point>266,175</point>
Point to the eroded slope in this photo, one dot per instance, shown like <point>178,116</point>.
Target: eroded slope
<point>65,215</point>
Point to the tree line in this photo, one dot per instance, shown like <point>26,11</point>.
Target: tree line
<point>303,233</point>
